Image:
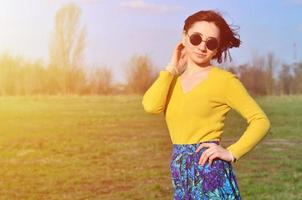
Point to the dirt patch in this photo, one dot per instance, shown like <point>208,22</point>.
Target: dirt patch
<point>282,141</point>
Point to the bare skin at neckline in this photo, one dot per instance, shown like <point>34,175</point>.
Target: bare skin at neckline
<point>188,82</point>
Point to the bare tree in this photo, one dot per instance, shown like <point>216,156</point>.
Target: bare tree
<point>297,79</point>
<point>10,75</point>
<point>269,75</point>
<point>285,80</point>
<point>101,81</point>
<point>139,74</point>
<point>32,78</point>
<point>252,76</point>
<point>67,47</point>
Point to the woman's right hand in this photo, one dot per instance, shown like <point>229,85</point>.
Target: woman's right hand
<point>178,60</point>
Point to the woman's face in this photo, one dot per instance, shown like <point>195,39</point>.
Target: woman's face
<point>201,54</point>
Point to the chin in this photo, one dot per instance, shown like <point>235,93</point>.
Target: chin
<point>201,61</point>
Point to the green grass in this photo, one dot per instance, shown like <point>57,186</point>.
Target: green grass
<point>109,148</point>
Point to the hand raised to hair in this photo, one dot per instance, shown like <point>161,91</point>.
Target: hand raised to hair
<point>178,60</point>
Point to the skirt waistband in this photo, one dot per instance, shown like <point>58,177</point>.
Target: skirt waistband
<point>190,148</point>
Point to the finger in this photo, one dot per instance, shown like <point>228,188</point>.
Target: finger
<point>183,50</point>
<point>185,59</point>
<point>205,155</point>
<point>180,46</point>
<point>182,61</point>
<point>204,158</point>
<point>212,157</point>
<point>183,54</point>
<point>179,53</point>
<point>199,147</point>
<point>204,145</point>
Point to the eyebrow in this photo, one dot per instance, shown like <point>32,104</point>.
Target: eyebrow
<point>202,35</point>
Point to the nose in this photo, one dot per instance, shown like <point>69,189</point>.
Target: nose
<point>202,46</point>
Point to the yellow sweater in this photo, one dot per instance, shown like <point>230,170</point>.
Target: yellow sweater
<point>199,114</point>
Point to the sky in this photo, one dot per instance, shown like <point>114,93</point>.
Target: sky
<point>119,29</point>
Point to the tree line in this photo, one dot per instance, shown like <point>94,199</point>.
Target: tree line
<point>19,76</point>
<point>65,74</point>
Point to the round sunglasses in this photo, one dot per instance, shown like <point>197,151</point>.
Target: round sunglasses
<point>211,43</point>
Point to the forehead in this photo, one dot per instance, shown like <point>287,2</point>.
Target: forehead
<point>206,28</point>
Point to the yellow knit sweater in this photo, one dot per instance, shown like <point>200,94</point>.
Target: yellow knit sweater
<point>199,114</point>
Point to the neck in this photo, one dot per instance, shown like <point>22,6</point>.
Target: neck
<point>193,68</point>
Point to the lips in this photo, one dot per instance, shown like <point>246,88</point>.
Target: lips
<point>200,55</point>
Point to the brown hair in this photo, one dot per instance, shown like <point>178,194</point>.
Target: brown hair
<point>228,37</point>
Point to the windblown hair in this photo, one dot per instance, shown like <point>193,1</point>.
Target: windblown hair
<point>229,38</point>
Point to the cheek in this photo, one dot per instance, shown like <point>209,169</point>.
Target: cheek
<point>188,45</point>
<point>212,54</point>
<point>188,50</point>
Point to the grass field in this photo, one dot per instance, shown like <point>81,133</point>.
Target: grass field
<point>109,148</point>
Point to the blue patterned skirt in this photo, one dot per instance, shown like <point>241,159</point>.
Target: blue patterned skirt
<point>191,181</point>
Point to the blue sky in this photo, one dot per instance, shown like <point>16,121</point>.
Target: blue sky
<point>117,30</point>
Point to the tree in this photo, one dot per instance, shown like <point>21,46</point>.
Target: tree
<point>101,81</point>
<point>139,74</point>
<point>66,49</point>
<point>269,76</point>
<point>297,79</point>
<point>285,80</point>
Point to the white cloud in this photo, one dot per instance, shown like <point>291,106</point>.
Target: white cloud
<point>149,7</point>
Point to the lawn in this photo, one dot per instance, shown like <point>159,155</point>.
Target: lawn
<point>107,147</point>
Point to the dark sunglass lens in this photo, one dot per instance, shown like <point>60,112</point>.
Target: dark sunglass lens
<point>212,44</point>
<point>195,39</point>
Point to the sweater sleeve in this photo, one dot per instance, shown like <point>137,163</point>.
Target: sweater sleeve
<point>154,99</point>
<point>238,98</point>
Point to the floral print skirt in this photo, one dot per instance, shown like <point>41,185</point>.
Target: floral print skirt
<point>191,181</point>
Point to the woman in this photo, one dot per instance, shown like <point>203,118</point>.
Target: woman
<point>195,97</point>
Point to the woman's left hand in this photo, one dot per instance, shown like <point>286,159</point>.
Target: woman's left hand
<point>214,151</point>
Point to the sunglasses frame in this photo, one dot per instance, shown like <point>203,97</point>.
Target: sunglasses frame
<point>201,40</point>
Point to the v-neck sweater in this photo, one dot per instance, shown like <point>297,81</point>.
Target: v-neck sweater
<point>199,114</point>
